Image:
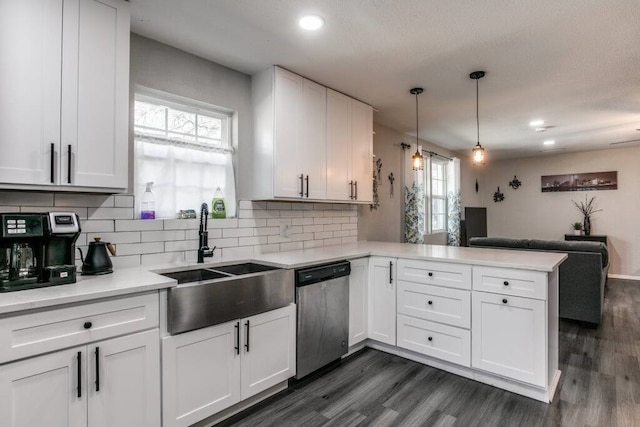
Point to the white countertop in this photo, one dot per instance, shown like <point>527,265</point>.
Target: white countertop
<point>142,279</point>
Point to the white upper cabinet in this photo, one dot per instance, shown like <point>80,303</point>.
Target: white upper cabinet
<point>65,86</point>
<point>294,126</point>
<point>289,147</point>
<point>349,149</point>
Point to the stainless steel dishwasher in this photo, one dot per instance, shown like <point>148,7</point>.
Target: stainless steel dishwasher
<point>322,298</point>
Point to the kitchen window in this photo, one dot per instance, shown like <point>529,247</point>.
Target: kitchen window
<point>184,148</point>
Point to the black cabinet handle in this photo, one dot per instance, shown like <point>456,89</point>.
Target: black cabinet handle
<point>97,368</point>
<point>504,301</point>
<point>87,325</point>
<point>430,338</point>
<point>355,183</point>
<point>237,346</point>
<point>430,302</point>
<point>301,177</point>
<point>430,274</point>
<point>246,345</point>
<point>69,164</point>
<point>351,190</point>
<point>390,272</point>
<point>79,358</point>
<point>506,283</point>
<point>52,159</point>
<point>307,182</point>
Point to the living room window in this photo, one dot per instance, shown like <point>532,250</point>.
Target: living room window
<point>184,148</point>
<point>436,180</point>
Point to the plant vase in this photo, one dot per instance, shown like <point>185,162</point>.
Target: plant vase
<point>577,232</point>
<point>586,225</point>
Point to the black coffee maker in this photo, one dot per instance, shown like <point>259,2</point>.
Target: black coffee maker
<point>37,249</point>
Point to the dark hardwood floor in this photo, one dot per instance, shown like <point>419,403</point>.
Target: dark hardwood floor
<point>600,385</point>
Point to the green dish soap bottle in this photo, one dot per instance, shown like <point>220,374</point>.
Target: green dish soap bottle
<point>218,208</point>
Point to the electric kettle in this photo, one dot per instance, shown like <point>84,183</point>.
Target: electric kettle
<point>97,260</point>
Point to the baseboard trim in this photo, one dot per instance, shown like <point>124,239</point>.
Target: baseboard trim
<point>622,276</point>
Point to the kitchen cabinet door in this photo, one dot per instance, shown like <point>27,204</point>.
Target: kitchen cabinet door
<point>65,94</point>
<point>349,149</point>
<point>43,391</point>
<point>201,373</point>
<point>95,94</point>
<point>358,301</point>
<point>362,150</point>
<point>124,387</point>
<point>313,141</point>
<point>30,86</point>
<point>509,336</point>
<point>339,181</point>
<point>382,299</point>
<point>268,350</point>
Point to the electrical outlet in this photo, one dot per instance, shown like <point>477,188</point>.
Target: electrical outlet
<point>285,231</point>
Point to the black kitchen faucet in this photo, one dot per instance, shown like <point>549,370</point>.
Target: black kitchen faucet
<point>203,246</point>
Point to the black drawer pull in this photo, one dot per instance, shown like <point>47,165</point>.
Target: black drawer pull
<point>87,325</point>
<point>430,338</point>
<point>506,283</point>
<point>430,302</point>
<point>504,301</point>
<point>79,357</point>
<point>97,368</point>
<point>430,274</point>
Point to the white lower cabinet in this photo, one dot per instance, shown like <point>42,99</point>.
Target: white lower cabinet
<point>114,382</point>
<point>358,301</point>
<point>382,300</point>
<point>509,336</point>
<point>434,339</point>
<point>211,369</point>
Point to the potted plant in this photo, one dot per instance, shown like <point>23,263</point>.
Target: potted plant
<point>577,228</point>
<point>587,209</point>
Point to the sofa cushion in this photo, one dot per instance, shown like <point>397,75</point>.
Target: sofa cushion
<point>571,246</point>
<point>501,242</point>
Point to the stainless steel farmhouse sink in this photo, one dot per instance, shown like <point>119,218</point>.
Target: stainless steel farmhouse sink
<point>217,294</point>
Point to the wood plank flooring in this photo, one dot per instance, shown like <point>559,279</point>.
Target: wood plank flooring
<point>600,385</point>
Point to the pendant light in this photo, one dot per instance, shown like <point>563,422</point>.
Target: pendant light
<point>477,152</point>
<point>417,161</point>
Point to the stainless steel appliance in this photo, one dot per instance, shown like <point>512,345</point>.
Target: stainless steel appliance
<point>322,298</point>
<point>37,249</point>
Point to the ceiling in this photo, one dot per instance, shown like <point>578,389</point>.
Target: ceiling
<point>573,63</point>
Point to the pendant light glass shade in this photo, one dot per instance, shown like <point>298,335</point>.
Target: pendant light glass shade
<point>417,160</point>
<point>477,151</point>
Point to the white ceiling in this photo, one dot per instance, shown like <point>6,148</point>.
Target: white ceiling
<point>573,63</point>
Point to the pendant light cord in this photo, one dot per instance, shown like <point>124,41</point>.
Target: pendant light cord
<point>417,149</point>
<point>477,113</point>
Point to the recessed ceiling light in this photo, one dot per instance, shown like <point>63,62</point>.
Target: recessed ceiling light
<point>536,123</point>
<point>549,142</point>
<point>311,22</point>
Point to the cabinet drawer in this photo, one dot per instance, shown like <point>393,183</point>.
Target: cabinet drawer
<point>435,273</point>
<point>444,305</point>
<point>435,340</point>
<point>34,333</point>
<point>528,284</point>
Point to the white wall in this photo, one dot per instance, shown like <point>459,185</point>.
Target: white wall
<point>529,213</point>
<point>386,223</point>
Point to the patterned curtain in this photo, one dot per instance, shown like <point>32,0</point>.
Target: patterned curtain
<point>454,214</point>
<point>414,213</point>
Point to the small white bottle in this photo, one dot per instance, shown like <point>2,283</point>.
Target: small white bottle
<point>148,204</point>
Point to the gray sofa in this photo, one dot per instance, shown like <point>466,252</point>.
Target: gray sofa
<point>583,274</point>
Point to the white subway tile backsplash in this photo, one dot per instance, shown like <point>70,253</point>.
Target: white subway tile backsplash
<point>252,222</point>
<point>124,201</point>
<point>140,248</point>
<point>237,232</point>
<point>83,200</point>
<point>291,246</point>
<point>256,230</point>
<point>162,236</point>
<point>126,237</point>
<point>25,198</point>
<point>139,224</point>
<point>110,213</point>
<point>98,226</point>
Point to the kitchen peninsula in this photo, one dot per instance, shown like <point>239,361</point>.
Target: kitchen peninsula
<point>488,315</point>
